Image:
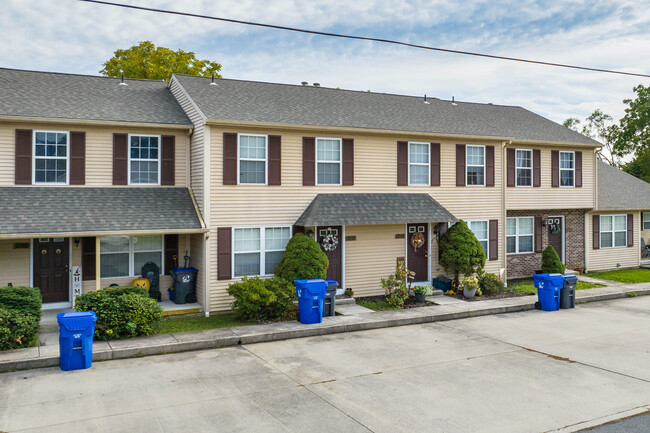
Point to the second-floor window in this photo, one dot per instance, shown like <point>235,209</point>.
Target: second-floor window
<point>51,157</point>
<point>252,159</point>
<point>328,161</point>
<point>144,159</point>
<point>419,169</point>
<point>475,157</point>
<point>567,168</point>
<point>519,236</point>
<point>524,167</point>
<point>613,231</point>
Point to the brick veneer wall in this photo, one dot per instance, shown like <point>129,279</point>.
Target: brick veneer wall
<point>523,265</point>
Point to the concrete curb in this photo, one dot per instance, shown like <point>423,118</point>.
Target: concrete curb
<point>23,359</point>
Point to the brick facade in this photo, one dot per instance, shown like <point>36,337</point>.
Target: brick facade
<point>524,265</point>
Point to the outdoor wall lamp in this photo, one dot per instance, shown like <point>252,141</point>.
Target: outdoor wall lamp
<point>76,241</point>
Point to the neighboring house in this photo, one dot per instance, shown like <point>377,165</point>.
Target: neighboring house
<point>94,173</point>
<point>620,220</point>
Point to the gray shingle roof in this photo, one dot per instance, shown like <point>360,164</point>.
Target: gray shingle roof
<point>619,190</point>
<point>373,208</point>
<point>305,105</point>
<point>76,210</point>
<point>66,96</point>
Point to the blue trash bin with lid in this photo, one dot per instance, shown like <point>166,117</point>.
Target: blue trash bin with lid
<point>310,300</point>
<point>548,290</point>
<point>76,331</point>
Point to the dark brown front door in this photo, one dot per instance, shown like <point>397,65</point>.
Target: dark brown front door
<point>417,257</point>
<point>51,260</point>
<point>334,272</point>
<point>556,235</point>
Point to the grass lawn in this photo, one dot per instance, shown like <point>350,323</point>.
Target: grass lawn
<point>376,305</point>
<point>528,287</point>
<point>627,276</point>
<point>200,323</point>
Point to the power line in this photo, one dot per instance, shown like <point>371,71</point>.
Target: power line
<point>364,38</point>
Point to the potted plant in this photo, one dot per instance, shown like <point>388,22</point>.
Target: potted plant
<point>421,292</point>
<point>470,285</point>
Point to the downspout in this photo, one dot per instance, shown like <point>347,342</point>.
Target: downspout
<point>504,174</point>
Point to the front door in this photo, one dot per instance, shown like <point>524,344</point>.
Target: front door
<point>51,260</point>
<point>335,256</point>
<point>556,235</point>
<point>417,256</point>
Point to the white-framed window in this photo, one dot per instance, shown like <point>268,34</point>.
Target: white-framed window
<point>144,159</point>
<point>646,220</point>
<point>520,235</point>
<point>252,154</point>
<point>124,256</point>
<point>524,167</point>
<point>328,161</point>
<point>475,164</point>
<point>51,163</point>
<point>613,231</point>
<point>480,228</point>
<point>258,250</point>
<point>567,168</point>
<point>419,163</point>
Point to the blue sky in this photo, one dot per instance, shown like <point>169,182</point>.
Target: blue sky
<point>69,36</point>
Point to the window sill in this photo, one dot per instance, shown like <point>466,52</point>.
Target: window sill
<point>522,254</point>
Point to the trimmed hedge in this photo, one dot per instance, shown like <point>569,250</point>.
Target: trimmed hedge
<point>23,299</point>
<point>261,300</point>
<point>20,316</point>
<point>122,312</point>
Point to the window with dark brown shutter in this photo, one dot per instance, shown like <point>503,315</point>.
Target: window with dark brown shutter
<point>275,160</point>
<point>489,165</point>
<point>538,234</point>
<point>578,169</point>
<point>435,164</point>
<point>460,165</point>
<point>23,162</point>
<point>229,158</point>
<point>88,258</point>
<point>511,167</point>
<point>555,168</point>
<point>171,252</point>
<point>596,232</point>
<point>402,163</point>
<point>537,167</point>
<point>494,240</point>
<point>308,161</point>
<point>77,158</point>
<point>348,161</point>
<point>630,230</point>
<point>224,253</point>
<point>167,160</point>
<point>120,159</point>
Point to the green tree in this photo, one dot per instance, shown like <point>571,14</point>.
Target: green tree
<point>599,126</point>
<point>551,262</point>
<point>462,253</point>
<point>147,61</point>
<point>640,165</point>
<point>303,259</point>
<point>634,136</point>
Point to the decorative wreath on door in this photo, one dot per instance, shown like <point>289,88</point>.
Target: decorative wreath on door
<point>330,242</point>
<point>417,240</point>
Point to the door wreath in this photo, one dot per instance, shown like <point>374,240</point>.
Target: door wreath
<point>417,240</point>
<point>330,242</point>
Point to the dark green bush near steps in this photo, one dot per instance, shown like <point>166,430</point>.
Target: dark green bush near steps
<point>489,283</point>
<point>551,262</point>
<point>260,300</point>
<point>303,259</point>
<point>122,312</point>
<point>24,299</point>
<point>20,316</point>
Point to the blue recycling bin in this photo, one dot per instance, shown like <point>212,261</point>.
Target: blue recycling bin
<point>310,300</point>
<point>548,290</point>
<point>76,332</point>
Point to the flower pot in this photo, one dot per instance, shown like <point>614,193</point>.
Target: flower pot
<point>469,293</point>
<point>420,298</point>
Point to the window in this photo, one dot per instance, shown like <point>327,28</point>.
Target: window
<point>524,167</point>
<point>144,159</point>
<point>51,157</point>
<point>258,250</point>
<point>519,235</point>
<point>419,170</point>
<point>480,230</point>
<point>613,231</point>
<point>252,159</point>
<point>646,220</point>
<point>475,157</point>
<point>124,256</point>
<point>328,161</point>
<point>567,168</point>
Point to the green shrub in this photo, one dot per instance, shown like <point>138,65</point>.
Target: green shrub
<point>462,253</point>
<point>303,259</point>
<point>551,262</point>
<point>261,300</point>
<point>489,283</point>
<point>395,286</point>
<point>122,312</point>
<point>17,329</point>
<point>23,299</point>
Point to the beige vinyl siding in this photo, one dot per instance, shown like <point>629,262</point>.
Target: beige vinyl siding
<point>14,263</point>
<point>608,258</point>
<point>547,197</point>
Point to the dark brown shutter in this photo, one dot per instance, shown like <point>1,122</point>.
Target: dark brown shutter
<point>630,230</point>
<point>555,168</point>
<point>229,158</point>
<point>489,165</point>
<point>224,255</point>
<point>460,165</point>
<point>308,161</point>
<point>23,162</point>
<point>297,229</point>
<point>494,240</point>
<point>442,230</point>
<point>402,163</point>
<point>77,158</point>
<point>120,159</point>
<point>435,164</point>
<point>171,253</point>
<point>596,232</point>
<point>578,172</point>
<point>167,160</point>
<point>88,258</point>
<point>537,168</point>
<point>275,160</point>
<point>538,234</point>
<point>511,167</point>
<point>348,161</point>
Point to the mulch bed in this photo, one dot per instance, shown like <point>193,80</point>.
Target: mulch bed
<point>409,303</point>
<point>498,295</point>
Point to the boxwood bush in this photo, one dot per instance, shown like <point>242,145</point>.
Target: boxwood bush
<point>122,312</point>
<point>261,300</point>
<point>24,299</point>
<point>551,262</point>
<point>20,316</point>
<point>303,259</point>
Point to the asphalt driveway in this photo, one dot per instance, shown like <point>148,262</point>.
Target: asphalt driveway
<point>521,372</point>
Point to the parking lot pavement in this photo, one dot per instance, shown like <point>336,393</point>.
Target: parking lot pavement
<point>522,372</point>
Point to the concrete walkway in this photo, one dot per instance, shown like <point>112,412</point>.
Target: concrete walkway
<point>47,354</point>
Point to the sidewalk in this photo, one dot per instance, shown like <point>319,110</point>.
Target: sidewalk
<point>48,355</point>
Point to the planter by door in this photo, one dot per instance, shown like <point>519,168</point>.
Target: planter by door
<point>334,272</point>
<point>556,237</point>
<point>417,259</point>
<point>51,265</point>
<point>469,293</point>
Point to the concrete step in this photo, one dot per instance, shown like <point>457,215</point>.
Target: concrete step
<point>345,301</point>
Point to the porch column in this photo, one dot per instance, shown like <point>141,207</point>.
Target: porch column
<point>97,264</point>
